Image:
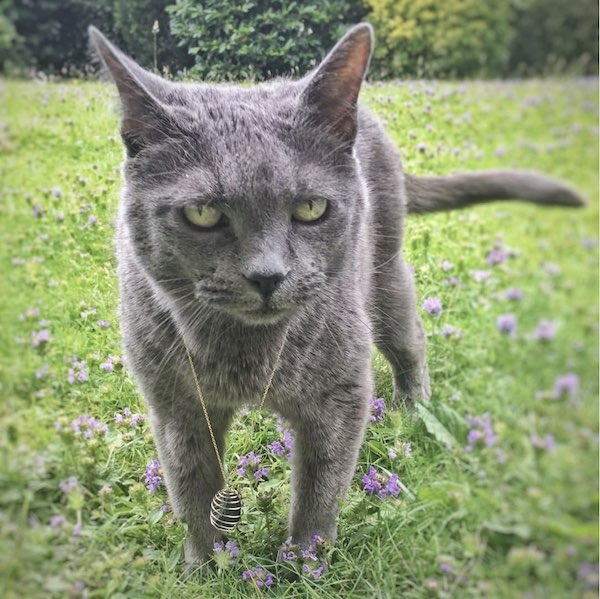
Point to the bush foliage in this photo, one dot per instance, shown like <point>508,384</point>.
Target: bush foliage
<point>255,39</point>
<point>227,39</point>
<point>428,38</point>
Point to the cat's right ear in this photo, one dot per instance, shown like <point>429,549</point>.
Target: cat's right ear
<point>144,115</point>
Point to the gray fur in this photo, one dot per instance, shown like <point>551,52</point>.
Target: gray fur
<point>253,152</point>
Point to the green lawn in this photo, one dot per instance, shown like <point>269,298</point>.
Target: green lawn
<point>517,518</point>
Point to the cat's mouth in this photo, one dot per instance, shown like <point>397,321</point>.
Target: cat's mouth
<point>266,314</point>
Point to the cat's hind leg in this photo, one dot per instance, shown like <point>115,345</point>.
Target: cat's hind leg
<point>399,332</point>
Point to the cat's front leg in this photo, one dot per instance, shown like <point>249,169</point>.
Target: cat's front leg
<point>326,449</point>
<point>190,468</point>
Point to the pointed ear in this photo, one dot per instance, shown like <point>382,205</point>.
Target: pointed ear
<point>332,91</point>
<point>143,112</point>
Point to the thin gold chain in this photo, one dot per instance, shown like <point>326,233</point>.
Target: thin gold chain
<point>203,401</point>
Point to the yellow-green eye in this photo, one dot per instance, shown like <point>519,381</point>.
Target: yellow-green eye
<point>310,211</point>
<point>206,217</point>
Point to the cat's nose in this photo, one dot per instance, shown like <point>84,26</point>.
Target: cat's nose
<point>266,283</point>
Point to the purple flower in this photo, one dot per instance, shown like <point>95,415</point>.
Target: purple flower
<point>421,146</point>
<point>152,476</point>
<point>407,449</point>
<point>104,324</point>
<point>58,523</point>
<point>481,431</point>
<point>392,454</point>
<point>588,574</point>
<point>66,486</point>
<point>451,331</point>
<point>30,314</point>
<point>545,331</point>
<point>480,275</point>
<point>446,568</point>
<point>135,419</point>
<point>284,446</point>
<point>507,324</point>
<point>446,265</point>
<point>119,418</point>
<point>377,409</point>
<point>259,576</point>
<point>166,508</point>
<point>42,372</point>
<point>87,426</point>
<point>107,365</point>
<point>92,220</point>
<point>375,483</point>
<point>495,257</point>
<point>566,384</point>
<point>513,294</point>
<point>307,555</point>
<point>37,211</point>
<point>432,305</point>
<point>261,473</point>
<point>40,337</point>
<point>78,373</point>
<point>547,442</point>
<point>229,549</point>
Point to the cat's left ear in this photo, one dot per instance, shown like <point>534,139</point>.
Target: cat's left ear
<point>331,94</point>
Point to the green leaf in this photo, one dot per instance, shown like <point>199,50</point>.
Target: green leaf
<point>435,427</point>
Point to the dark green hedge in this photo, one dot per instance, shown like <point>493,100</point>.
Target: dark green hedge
<point>241,39</point>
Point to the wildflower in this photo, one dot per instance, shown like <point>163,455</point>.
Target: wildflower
<point>56,192</point>
<point>66,486</point>
<point>495,257</point>
<point>392,454</point>
<point>261,473</point>
<point>259,576</point>
<point>481,431</point>
<point>166,508</point>
<point>377,409</point>
<point>152,476</point>
<point>480,275</point>
<point>37,211</point>
<point>250,461</point>
<point>375,483</point>
<point>546,442</point>
<point>92,220</point>
<point>30,314</point>
<point>432,305</point>
<point>588,574</point>
<point>87,426</point>
<point>545,331</point>
<point>446,568</point>
<point>407,449</point>
<point>451,331</point>
<point>507,324</point>
<point>307,555</point>
<point>58,523</point>
<point>284,446</point>
<point>566,384</point>
<point>226,553</point>
<point>78,373</point>
<point>513,294</point>
<point>40,338</point>
<point>107,365</point>
<point>42,372</point>
<point>104,324</point>
<point>446,265</point>
<point>421,146</point>
<point>135,419</point>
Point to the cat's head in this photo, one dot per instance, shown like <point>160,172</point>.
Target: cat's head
<point>247,201</point>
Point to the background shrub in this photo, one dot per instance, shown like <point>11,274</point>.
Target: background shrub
<point>254,39</point>
<point>428,38</point>
<point>554,36</point>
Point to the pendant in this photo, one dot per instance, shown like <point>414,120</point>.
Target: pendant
<point>225,510</point>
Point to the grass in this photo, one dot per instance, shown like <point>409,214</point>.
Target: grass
<point>516,519</point>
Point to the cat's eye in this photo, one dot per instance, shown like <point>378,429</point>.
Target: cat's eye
<point>206,217</point>
<point>310,211</point>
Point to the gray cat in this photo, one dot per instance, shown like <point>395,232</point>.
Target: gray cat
<point>247,212</point>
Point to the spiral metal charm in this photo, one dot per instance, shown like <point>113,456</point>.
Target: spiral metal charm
<point>225,510</point>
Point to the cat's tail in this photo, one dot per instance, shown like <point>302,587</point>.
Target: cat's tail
<point>436,194</point>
